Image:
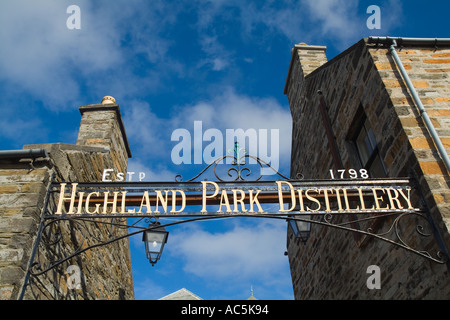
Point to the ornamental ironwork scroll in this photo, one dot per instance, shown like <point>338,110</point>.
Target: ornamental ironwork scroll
<point>238,171</point>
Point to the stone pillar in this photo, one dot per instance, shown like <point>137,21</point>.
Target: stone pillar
<point>310,57</point>
<point>102,126</point>
<point>304,60</point>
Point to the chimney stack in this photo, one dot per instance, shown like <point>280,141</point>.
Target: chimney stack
<point>102,126</point>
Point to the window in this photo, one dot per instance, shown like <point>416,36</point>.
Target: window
<point>369,157</point>
<point>364,152</point>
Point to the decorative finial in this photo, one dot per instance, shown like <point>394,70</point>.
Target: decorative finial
<point>108,100</point>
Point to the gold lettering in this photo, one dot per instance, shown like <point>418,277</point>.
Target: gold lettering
<point>113,202</point>
<point>361,200</point>
<point>327,202</point>
<point>174,201</point>
<point>80,202</point>
<point>389,198</point>
<point>236,200</point>
<point>62,198</point>
<point>393,198</point>
<point>254,200</point>
<point>159,198</point>
<point>300,200</point>
<point>407,198</point>
<point>376,198</point>
<point>204,196</point>
<point>86,204</point>
<point>347,206</point>
<point>224,196</point>
<point>338,199</point>
<point>312,199</point>
<point>145,198</point>
<point>280,196</point>
<point>122,209</point>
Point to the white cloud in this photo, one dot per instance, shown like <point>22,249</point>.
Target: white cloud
<point>227,256</point>
<point>217,56</point>
<point>335,17</point>
<point>54,64</point>
<point>245,251</point>
<point>143,126</point>
<point>219,64</point>
<point>232,111</point>
<point>151,134</point>
<point>39,52</point>
<point>339,22</point>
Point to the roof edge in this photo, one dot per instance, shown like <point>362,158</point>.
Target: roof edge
<point>428,42</point>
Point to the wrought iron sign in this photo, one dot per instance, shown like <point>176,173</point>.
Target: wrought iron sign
<point>347,204</point>
<point>234,195</point>
<point>292,197</point>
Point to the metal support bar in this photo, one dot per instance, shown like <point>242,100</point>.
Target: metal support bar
<point>435,230</point>
<point>37,239</point>
<point>325,221</point>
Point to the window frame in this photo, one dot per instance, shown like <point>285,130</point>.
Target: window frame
<point>363,125</point>
<point>361,122</point>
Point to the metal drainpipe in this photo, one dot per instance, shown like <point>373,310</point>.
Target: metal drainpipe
<point>423,112</point>
<point>27,153</point>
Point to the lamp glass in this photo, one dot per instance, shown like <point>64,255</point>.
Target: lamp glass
<point>154,244</point>
<point>301,229</point>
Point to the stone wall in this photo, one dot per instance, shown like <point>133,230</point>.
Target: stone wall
<point>105,271</point>
<point>363,81</point>
<point>429,70</point>
<point>22,193</point>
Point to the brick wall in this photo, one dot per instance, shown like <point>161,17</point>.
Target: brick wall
<point>363,80</point>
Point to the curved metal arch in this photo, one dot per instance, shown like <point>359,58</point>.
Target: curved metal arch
<point>394,228</point>
<point>326,221</point>
<point>81,250</point>
<point>35,270</point>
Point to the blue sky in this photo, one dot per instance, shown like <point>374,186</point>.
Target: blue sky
<point>168,64</point>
